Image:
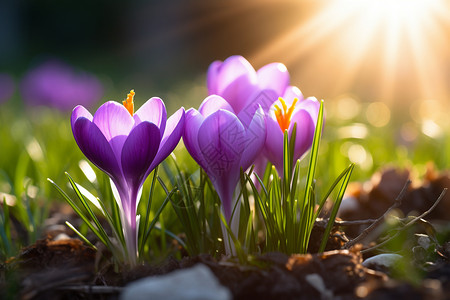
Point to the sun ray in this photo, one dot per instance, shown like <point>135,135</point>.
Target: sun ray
<point>303,37</point>
<point>400,42</point>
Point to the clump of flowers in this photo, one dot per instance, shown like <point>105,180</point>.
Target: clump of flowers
<point>246,89</point>
<point>74,87</point>
<point>294,124</point>
<point>250,117</point>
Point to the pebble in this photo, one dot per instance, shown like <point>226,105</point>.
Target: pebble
<point>424,241</point>
<point>386,260</point>
<point>317,282</point>
<point>348,205</point>
<point>61,236</point>
<point>196,283</point>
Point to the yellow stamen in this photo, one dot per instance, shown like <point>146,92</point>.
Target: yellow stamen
<point>284,115</point>
<point>128,103</point>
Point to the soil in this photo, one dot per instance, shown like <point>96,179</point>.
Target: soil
<point>373,198</point>
<point>60,267</point>
<point>65,270</point>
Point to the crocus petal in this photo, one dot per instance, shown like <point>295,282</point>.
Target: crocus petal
<point>211,78</point>
<point>153,111</point>
<point>139,151</point>
<point>192,122</point>
<point>312,106</point>
<point>78,112</point>
<point>291,93</point>
<point>95,147</point>
<point>273,149</point>
<point>115,122</point>
<point>222,142</point>
<point>305,132</point>
<point>234,80</point>
<point>273,76</point>
<point>212,104</point>
<point>113,119</point>
<point>255,139</point>
<point>232,68</point>
<point>170,139</point>
<point>260,98</point>
<point>222,139</point>
<point>239,92</point>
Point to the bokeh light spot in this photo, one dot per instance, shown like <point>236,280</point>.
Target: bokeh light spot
<point>408,132</point>
<point>431,129</point>
<point>347,107</point>
<point>378,114</point>
<point>356,130</point>
<point>357,154</point>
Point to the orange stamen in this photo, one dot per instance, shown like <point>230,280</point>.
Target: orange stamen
<point>128,103</point>
<point>284,114</point>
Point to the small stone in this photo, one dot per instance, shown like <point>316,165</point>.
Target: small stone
<point>424,241</point>
<point>61,236</point>
<point>348,204</point>
<point>56,227</point>
<point>317,282</point>
<point>386,260</point>
<point>196,283</point>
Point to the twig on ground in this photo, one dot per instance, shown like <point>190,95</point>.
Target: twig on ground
<point>323,222</point>
<point>92,289</point>
<point>397,203</point>
<point>409,224</point>
<point>32,288</point>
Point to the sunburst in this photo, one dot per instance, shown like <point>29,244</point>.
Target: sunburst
<point>388,47</point>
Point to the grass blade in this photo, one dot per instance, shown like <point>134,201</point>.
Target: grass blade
<point>89,211</point>
<point>155,219</point>
<point>80,235</point>
<point>79,212</point>
<point>335,209</point>
<point>149,206</point>
<point>308,199</point>
<point>331,189</point>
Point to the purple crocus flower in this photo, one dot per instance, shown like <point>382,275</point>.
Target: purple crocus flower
<point>244,88</point>
<point>58,85</point>
<point>221,144</point>
<point>6,87</point>
<point>284,113</point>
<point>127,146</point>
